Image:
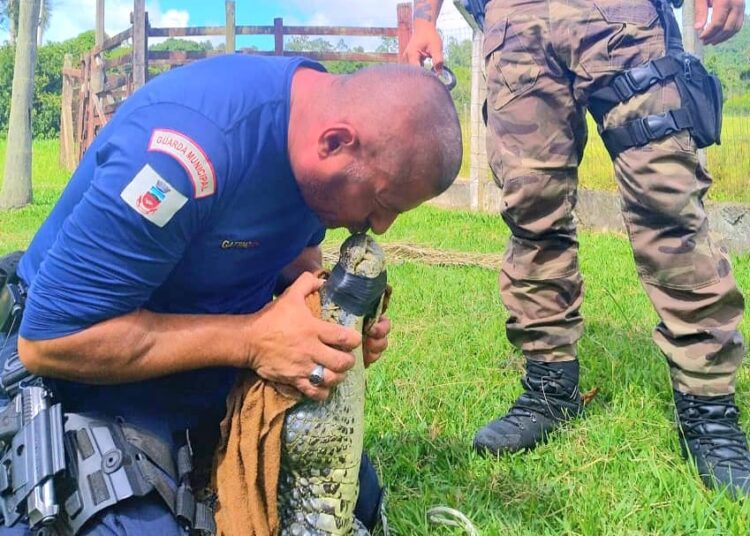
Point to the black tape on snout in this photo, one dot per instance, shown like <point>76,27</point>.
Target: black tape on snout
<point>353,293</point>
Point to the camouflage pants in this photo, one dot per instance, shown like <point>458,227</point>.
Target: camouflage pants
<point>543,59</point>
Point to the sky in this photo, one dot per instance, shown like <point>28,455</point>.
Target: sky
<point>71,17</point>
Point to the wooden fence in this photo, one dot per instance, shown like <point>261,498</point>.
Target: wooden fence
<point>94,87</point>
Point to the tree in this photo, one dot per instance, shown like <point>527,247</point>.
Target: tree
<point>9,10</point>
<point>183,45</point>
<point>45,8</point>
<point>387,44</point>
<point>731,61</point>
<point>16,191</point>
<point>9,17</point>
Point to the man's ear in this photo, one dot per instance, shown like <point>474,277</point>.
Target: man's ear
<point>336,139</point>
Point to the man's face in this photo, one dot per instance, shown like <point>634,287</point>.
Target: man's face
<point>361,197</point>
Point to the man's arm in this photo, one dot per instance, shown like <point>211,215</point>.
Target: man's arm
<point>425,42</point>
<point>282,343</point>
<point>726,19</point>
<point>427,10</point>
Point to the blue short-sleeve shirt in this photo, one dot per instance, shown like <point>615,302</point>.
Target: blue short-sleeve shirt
<point>185,203</point>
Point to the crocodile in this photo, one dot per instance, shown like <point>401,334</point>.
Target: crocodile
<point>322,441</point>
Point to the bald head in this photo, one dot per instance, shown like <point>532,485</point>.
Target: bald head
<point>368,146</point>
<point>405,118</point>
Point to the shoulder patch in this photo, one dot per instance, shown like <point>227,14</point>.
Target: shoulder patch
<point>190,155</point>
<point>153,197</point>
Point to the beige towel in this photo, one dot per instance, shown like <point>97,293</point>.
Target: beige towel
<point>248,459</point>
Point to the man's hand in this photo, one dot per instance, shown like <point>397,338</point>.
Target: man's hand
<point>286,342</point>
<point>726,19</point>
<point>425,43</point>
<point>376,340</point>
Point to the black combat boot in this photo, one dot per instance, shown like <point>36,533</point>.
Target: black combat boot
<point>551,398</point>
<point>710,434</point>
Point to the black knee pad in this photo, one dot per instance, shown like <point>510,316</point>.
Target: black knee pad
<point>370,499</point>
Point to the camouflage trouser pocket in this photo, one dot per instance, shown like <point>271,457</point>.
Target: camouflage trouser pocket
<point>627,34</point>
<point>510,66</point>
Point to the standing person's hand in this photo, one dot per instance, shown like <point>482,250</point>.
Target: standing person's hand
<point>726,19</point>
<point>286,342</point>
<point>425,43</point>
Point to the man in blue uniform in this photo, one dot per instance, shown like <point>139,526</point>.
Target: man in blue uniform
<point>151,282</point>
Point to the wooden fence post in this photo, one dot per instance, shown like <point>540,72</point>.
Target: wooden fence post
<point>478,166</point>
<point>99,22</point>
<point>230,46</point>
<point>97,78</point>
<point>278,36</point>
<point>405,21</point>
<point>68,152</point>
<point>140,44</point>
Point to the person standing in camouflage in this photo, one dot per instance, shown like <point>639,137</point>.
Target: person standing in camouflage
<point>546,64</point>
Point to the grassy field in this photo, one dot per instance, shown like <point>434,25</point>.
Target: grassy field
<point>18,226</point>
<point>728,163</point>
<point>450,369</point>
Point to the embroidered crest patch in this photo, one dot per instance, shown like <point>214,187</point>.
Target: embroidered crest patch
<point>153,197</point>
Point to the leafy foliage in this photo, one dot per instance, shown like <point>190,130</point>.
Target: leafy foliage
<point>303,43</point>
<point>731,61</point>
<point>173,44</point>
<point>182,45</point>
<point>458,59</point>
<point>47,82</point>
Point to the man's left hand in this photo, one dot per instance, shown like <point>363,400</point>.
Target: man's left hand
<point>726,19</point>
<point>376,340</point>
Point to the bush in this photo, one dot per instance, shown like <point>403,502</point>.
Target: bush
<point>47,83</point>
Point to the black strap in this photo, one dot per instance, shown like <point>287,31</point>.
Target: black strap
<point>640,132</point>
<point>155,462</point>
<point>196,516</point>
<point>637,80</point>
<point>152,446</point>
<point>353,293</point>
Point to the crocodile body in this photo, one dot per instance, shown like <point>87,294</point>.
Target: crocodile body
<point>322,441</point>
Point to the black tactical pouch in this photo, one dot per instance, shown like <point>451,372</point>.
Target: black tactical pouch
<point>700,112</point>
<point>702,97</point>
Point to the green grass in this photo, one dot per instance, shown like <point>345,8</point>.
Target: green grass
<point>450,369</point>
<point>17,227</point>
<point>729,163</point>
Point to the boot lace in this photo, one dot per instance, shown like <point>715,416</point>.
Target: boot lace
<point>713,424</point>
<point>548,392</point>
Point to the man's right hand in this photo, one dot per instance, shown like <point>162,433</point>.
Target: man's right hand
<point>285,342</point>
<point>726,19</point>
<point>425,43</point>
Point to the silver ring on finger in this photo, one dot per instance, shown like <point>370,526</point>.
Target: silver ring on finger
<point>316,376</point>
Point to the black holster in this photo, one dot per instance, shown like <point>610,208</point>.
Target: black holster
<point>701,99</point>
<point>58,470</point>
